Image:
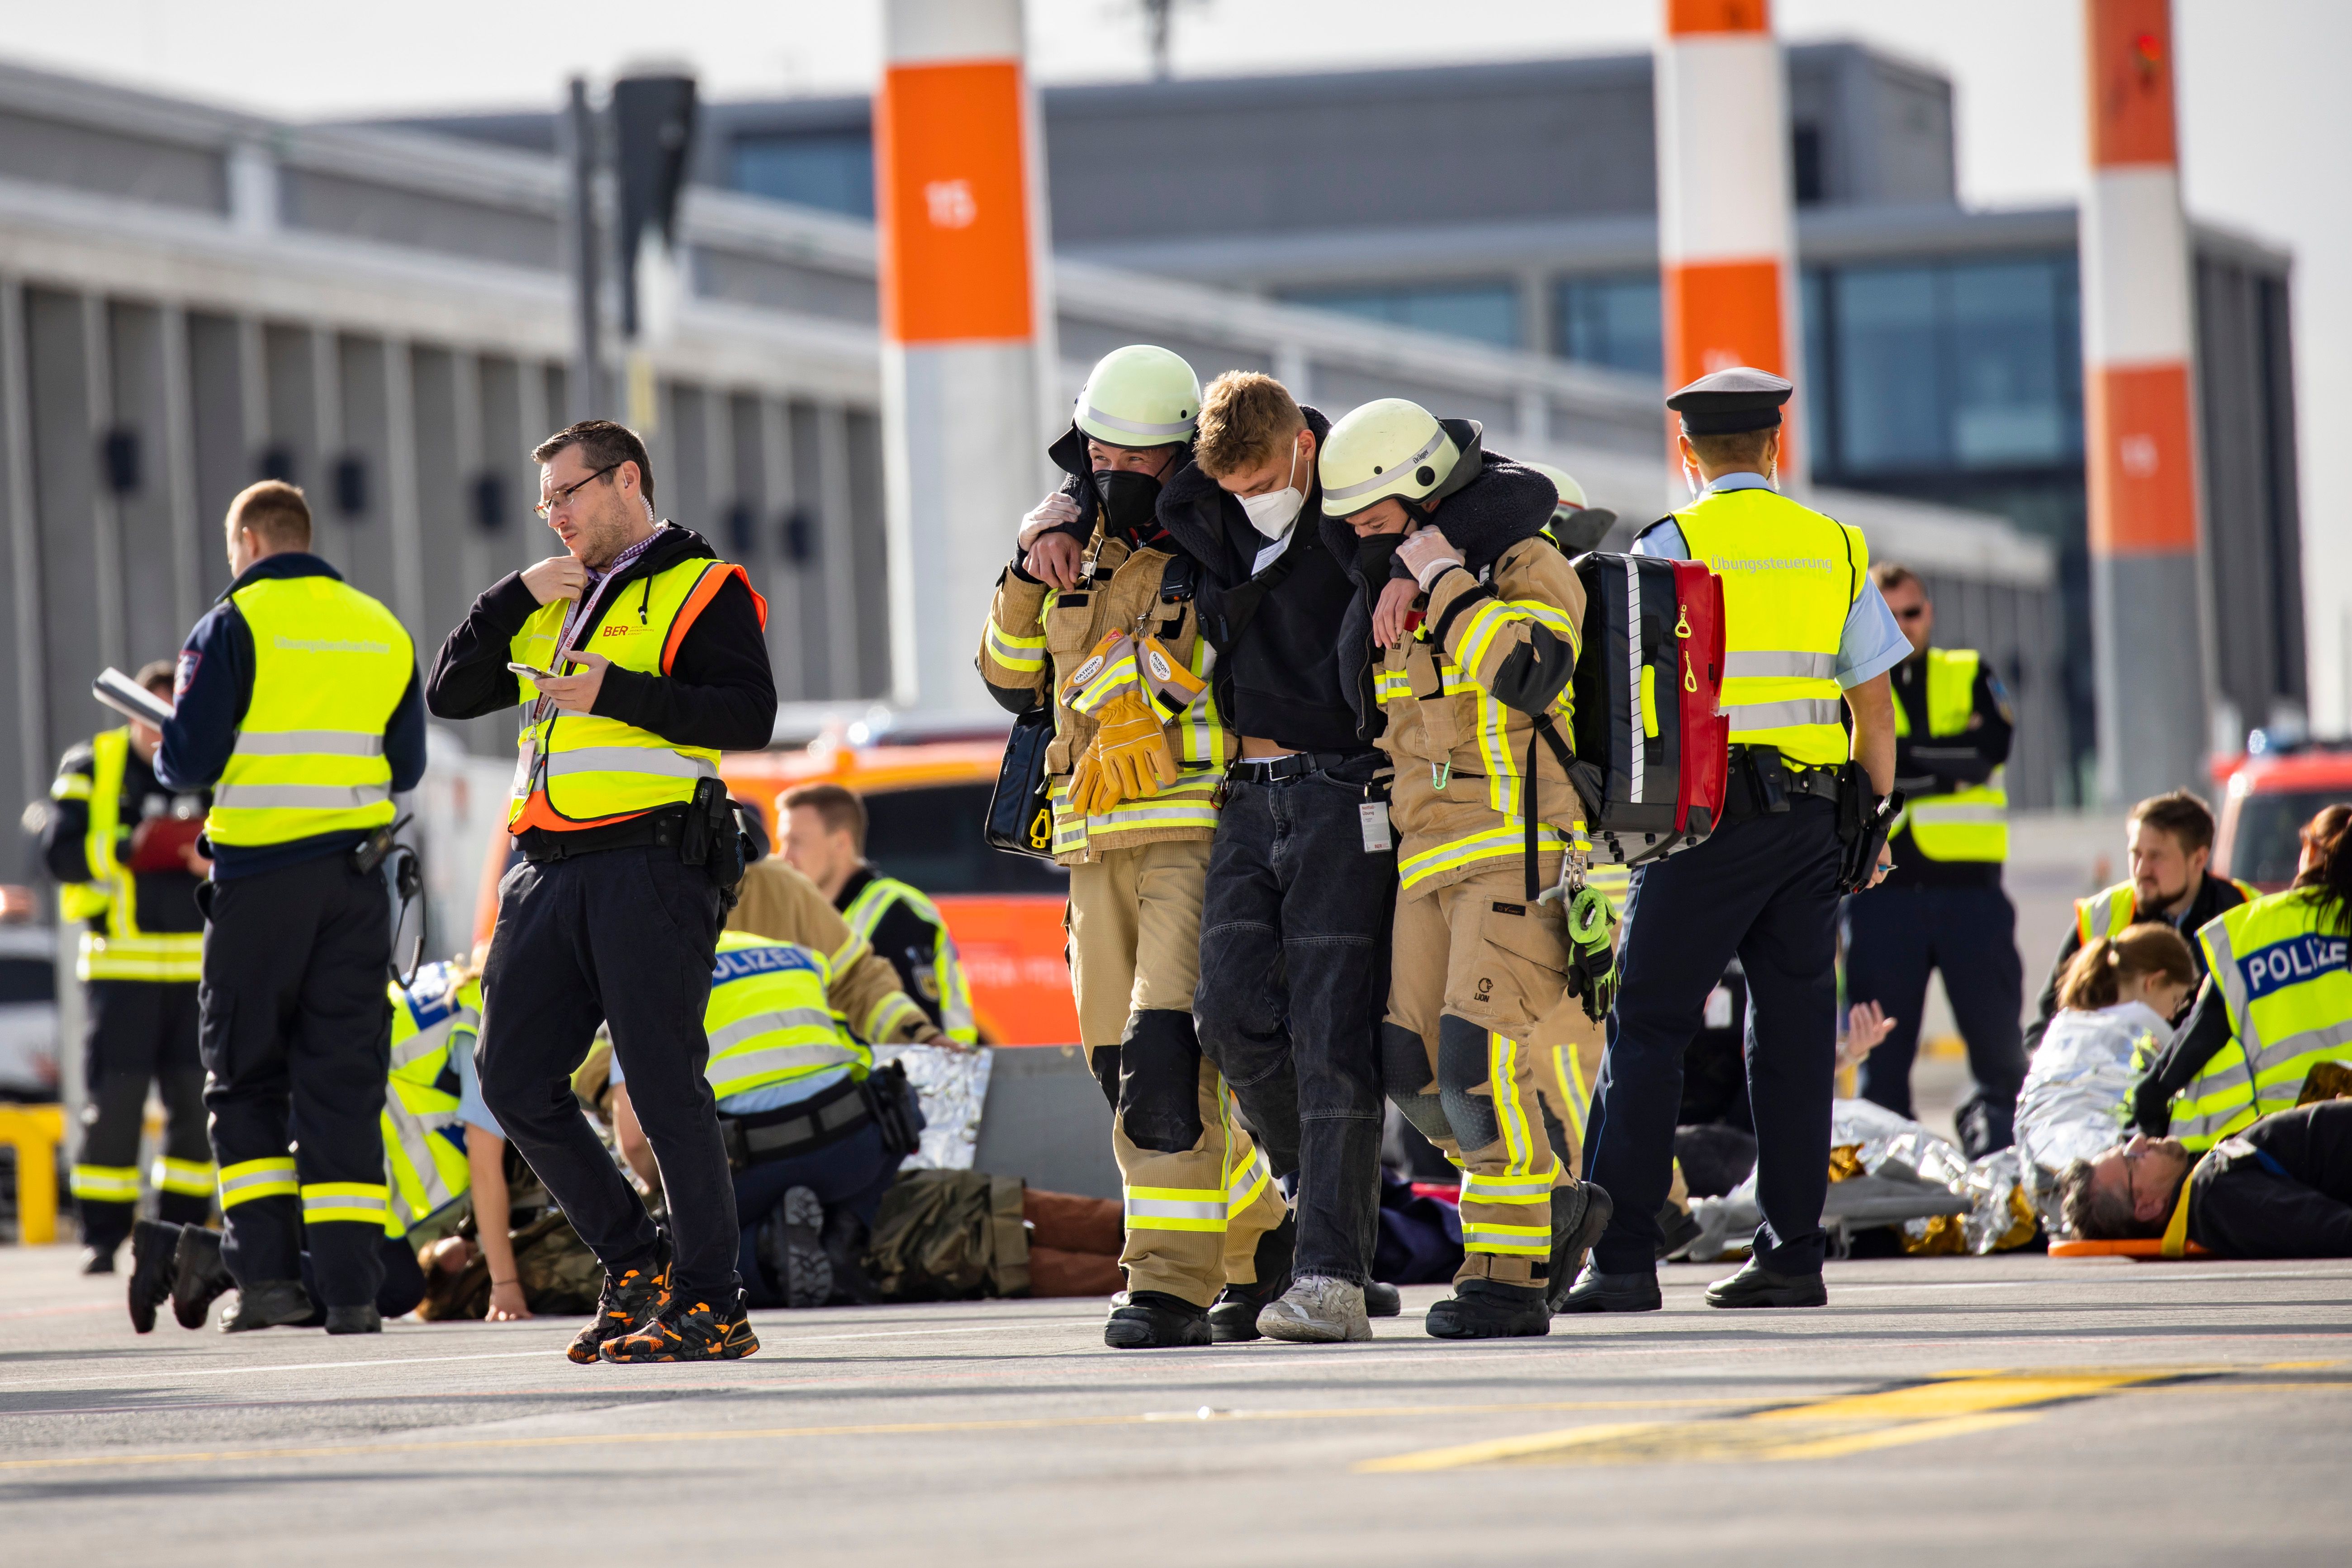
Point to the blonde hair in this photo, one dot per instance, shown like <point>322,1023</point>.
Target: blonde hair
<point>2094,977</point>
<point>1246,414</point>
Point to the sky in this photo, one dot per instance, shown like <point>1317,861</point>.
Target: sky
<point>2266,123</point>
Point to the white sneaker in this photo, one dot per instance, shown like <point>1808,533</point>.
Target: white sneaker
<point>1317,1309</point>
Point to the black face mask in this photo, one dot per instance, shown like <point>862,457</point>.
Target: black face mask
<point>1372,557</point>
<point>1128,499</point>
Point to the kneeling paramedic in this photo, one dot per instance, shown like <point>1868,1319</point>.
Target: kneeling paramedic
<point>1805,819</point>
<point>298,702</point>
<point>1477,618</point>
<point>120,846</point>
<point>1139,749</point>
<point>630,848</point>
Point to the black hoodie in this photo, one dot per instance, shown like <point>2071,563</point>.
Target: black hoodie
<point>719,692</point>
<point>1288,677</point>
<point>1505,503</point>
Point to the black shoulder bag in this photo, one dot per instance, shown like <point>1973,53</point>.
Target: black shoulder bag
<point>1020,809</point>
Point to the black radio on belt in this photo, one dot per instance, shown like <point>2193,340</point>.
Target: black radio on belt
<point>711,838</point>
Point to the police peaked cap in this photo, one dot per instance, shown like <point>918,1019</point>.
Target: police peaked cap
<point>1730,401</point>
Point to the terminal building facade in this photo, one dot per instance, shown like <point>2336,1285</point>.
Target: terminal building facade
<point>191,299</point>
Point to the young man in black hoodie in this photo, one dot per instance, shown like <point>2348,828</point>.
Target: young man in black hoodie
<point>1302,876</point>
<point>613,915</point>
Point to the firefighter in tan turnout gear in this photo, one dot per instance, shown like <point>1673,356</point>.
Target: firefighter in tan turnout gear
<point>1477,618</point>
<point>1106,631</point>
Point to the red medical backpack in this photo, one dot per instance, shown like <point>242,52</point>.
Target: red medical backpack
<point>1652,741</point>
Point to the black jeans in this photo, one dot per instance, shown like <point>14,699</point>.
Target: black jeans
<point>1294,982</point>
<point>296,1035</point>
<point>624,937</point>
<point>1894,937</point>
<point>1764,888</point>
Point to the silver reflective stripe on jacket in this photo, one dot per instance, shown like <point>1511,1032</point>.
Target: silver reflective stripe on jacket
<point>299,797</point>
<point>1750,664</point>
<point>1788,715</point>
<point>308,743</point>
<point>758,1024</point>
<point>629,760</point>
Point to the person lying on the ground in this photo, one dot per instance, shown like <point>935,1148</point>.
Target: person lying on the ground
<point>181,1263</point>
<point>2279,1188</point>
<point>2117,1002</point>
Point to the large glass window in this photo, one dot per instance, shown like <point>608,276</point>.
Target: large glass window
<point>1489,312</point>
<point>831,170</point>
<point>1609,322</point>
<point>1952,366</point>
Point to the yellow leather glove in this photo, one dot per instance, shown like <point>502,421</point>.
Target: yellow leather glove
<point>1131,751</point>
<point>1088,793</point>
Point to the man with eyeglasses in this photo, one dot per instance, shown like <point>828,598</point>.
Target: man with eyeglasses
<point>1942,906</point>
<point>646,658</point>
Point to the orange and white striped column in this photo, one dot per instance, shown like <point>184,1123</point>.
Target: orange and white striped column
<point>967,326</point>
<point>1726,259</point>
<point>2147,595</point>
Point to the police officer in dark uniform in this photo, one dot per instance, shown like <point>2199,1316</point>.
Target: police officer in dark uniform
<point>1807,638</point>
<point>1942,907</point>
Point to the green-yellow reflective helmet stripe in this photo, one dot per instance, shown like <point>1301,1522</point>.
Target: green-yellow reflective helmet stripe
<point>1140,396</point>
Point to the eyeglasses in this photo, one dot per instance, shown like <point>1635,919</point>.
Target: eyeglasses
<point>568,491</point>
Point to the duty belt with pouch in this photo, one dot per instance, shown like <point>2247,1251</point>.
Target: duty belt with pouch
<point>1768,783</point>
<point>825,1117</point>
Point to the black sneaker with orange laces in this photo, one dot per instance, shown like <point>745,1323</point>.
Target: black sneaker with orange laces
<point>630,1301</point>
<point>688,1331</point>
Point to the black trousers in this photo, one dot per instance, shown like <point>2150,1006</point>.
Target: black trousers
<point>296,1034</point>
<point>1766,890</point>
<point>626,937</point>
<point>1894,937</point>
<point>142,1032</point>
<point>1294,984</point>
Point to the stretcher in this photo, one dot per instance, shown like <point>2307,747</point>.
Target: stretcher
<point>2141,1248</point>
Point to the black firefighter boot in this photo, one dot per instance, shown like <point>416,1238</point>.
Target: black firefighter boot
<point>1489,1309</point>
<point>199,1276</point>
<point>1153,1320</point>
<point>1233,1317</point>
<point>153,1244</point>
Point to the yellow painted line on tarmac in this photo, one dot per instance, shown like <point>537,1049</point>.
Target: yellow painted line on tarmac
<point>891,1429</point>
<point>1827,1429</point>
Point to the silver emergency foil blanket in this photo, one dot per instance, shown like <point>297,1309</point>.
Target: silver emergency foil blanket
<point>1912,1174</point>
<point>2078,1092</point>
<point>953,1086</point>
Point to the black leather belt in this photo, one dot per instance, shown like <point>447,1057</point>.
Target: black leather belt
<point>824,1118</point>
<point>1296,765</point>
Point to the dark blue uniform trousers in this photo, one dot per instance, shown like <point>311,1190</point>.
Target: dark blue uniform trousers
<point>1894,937</point>
<point>1765,889</point>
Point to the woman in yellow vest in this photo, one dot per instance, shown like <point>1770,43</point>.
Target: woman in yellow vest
<point>2277,1002</point>
<point>297,704</point>
<point>1942,907</point>
<point>811,1157</point>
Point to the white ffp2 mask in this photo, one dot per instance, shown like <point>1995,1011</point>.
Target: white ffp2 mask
<point>1273,513</point>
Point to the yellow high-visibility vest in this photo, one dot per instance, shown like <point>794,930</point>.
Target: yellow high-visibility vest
<point>767,1018</point>
<point>954,992</point>
<point>122,951</point>
<point>1970,823</point>
<point>1791,577</point>
<point>2110,911</point>
<point>580,770</point>
<point>2289,996</point>
<point>425,1168</point>
<point>330,665</point>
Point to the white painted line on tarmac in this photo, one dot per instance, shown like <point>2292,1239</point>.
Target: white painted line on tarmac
<point>127,1375</point>
<point>2167,1276</point>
